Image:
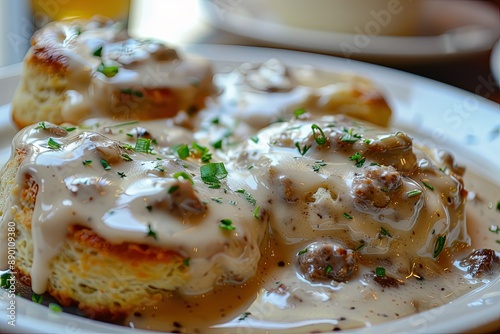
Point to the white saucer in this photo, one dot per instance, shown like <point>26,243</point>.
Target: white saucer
<point>448,30</point>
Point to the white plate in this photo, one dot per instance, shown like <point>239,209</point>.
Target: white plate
<point>467,28</point>
<point>495,62</point>
<point>446,116</point>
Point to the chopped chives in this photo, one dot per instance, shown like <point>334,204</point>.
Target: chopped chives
<point>318,134</point>
<point>184,175</point>
<point>439,245</point>
<point>384,232</point>
<point>428,185</point>
<point>53,144</point>
<point>226,224</point>
<point>213,172</point>
<point>55,307</point>
<point>380,271</point>
<point>173,189</point>
<point>414,192</point>
<point>256,212</point>
<point>143,145</point>
<point>182,151</point>
<point>105,164</point>
<point>151,233</point>
<point>247,196</point>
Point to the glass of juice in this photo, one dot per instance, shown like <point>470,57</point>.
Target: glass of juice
<point>45,11</point>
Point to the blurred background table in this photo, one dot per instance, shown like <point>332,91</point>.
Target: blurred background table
<point>183,22</point>
<point>188,25</point>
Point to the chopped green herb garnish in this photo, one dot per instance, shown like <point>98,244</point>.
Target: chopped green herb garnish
<point>498,206</point>
<point>414,192</point>
<point>5,280</point>
<point>294,128</point>
<point>185,262</point>
<point>133,92</point>
<point>126,157</point>
<point>41,125</point>
<point>151,233</point>
<point>368,141</point>
<point>98,52</point>
<point>328,269</point>
<point>86,162</point>
<point>173,189</point>
<point>149,208</point>
<point>303,251</point>
<point>226,224</point>
<point>108,71</point>
<point>384,232</point>
<point>55,307</point>
<point>318,134</point>
<point>36,298</point>
<point>69,129</point>
<point>53,144</point>
<point>206,156</point>
<point>349,136</point>
<point>346,215</point>
<point>232,202</point>
<point>256,212</point>
<point>374,164</point>
<point>247,196</point>
<point>318,164</point>
<point>380,271</point>
<point>358,159</point>
<point>182,151</point>
<point>143,145</point>
<point>255,139</point>
<point>217,200</point>
<point>122,174</point>
<point>298,112</point>
<point>212,173</point>
<point>428,185</point>
<point>184,175</point>
<point>218,144</point>
<point>439,245</point>
<point>302,150</point>
<point>159,167</point>
<point>215,121</point>
<point>360,246</point>
<point>244,316</point>
<point>105,164</point>
<point>443,170</point>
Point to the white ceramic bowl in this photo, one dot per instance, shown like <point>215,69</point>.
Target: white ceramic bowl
<point>369,17</point>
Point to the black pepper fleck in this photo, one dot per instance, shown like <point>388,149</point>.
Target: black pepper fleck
<point>281,263</point>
